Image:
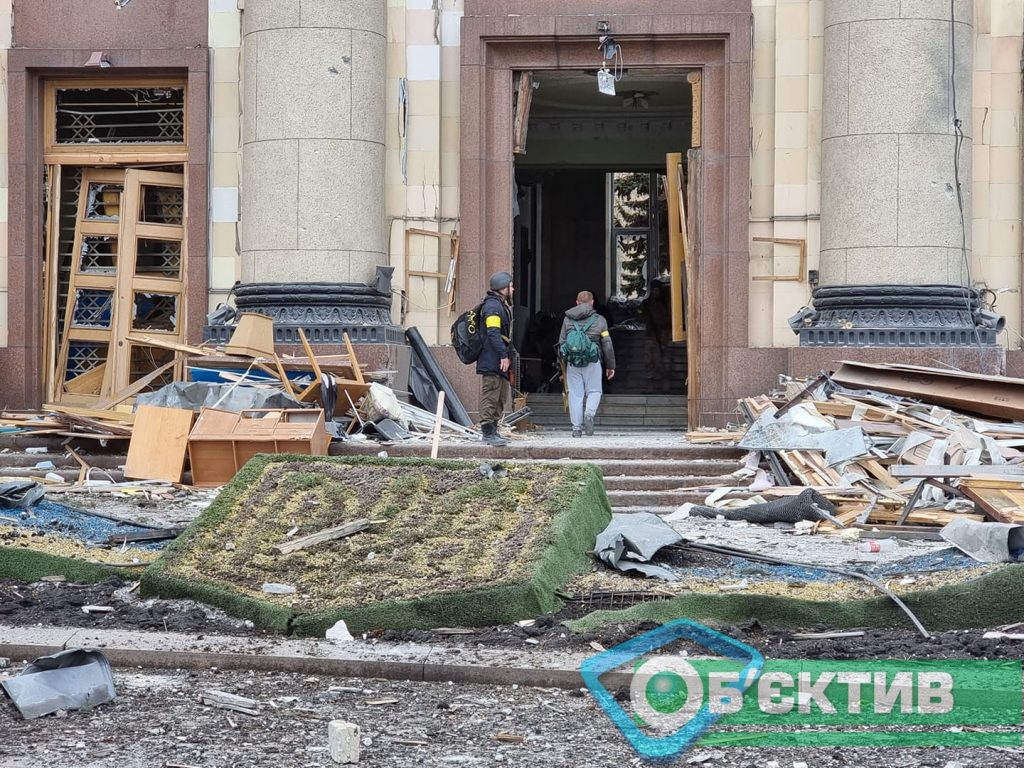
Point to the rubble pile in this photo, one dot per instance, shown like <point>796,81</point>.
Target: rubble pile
<point>899,450</point>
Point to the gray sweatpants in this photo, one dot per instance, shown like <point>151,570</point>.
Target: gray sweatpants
<point>583,383</point>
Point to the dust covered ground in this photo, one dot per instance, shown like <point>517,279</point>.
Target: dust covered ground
<point>158,720</point>
<point>60,603</point>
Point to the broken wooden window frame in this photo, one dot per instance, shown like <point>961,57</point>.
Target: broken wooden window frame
<point>59,159</point>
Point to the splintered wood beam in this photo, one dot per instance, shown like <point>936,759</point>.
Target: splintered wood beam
<point>521,119</point>
<point>138,386</point>
<point>329,534</point>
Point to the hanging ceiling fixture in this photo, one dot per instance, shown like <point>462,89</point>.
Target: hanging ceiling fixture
<point>637,99</point>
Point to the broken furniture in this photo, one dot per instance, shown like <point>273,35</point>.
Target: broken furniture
<point>882,443</point>
<point>159,444</point>
<point>221,442</point>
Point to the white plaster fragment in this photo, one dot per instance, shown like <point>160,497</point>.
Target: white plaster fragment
<point>343,741</point>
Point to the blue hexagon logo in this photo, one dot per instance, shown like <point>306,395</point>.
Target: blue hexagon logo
<point>666,692</point>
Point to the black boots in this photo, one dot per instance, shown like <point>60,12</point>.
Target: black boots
<point>491,436</point>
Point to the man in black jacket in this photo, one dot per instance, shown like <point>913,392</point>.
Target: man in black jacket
<point>495,359</point>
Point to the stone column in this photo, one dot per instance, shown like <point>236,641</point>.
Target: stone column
<point>889,210</point>
<point>890,168</point>
<point>313,140</point>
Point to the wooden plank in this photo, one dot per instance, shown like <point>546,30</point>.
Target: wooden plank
<point>950,470</point>
<point>83,465</point>
<point>159,443</point>
<point>88,383</point>
<point>50,271</point>
<point>357,372</point>
<point>696,101</point>
<point>994,503</point>
<point>90,413</point>
<point>521,119</point>
<point>691,204</point>
<point>920,516</point>
<point>135,387</point>
<point>329,534</point>
<point>164,343</point>
<point>436,442</point>
<point>877,471</point>
<point>676,249</point>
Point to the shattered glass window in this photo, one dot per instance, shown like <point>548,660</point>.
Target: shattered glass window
<point>120,115</point>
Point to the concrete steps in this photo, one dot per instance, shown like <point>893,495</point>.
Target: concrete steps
<point>654,498</point>
<point>657,482</point>
<point>632,412</point>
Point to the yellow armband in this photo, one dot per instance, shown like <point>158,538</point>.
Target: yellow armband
<point>604,333</point>
<point>493,321</point>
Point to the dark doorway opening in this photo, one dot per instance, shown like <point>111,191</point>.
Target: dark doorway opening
<point>591,214</point>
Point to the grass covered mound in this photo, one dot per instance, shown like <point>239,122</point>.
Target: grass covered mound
<point>446,547</point>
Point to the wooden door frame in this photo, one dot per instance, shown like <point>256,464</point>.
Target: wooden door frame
<point>717,44</point>
<point>21,361</point>
<point>57,157</point>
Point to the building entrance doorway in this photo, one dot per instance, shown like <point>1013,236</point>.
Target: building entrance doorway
<point>591,212</point>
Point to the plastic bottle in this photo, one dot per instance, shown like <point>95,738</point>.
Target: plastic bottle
<point>878,545</point>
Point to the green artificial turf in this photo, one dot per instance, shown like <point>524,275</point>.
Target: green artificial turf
<point>990,600</point>
<point>447,547</point>
<point>31,565</point>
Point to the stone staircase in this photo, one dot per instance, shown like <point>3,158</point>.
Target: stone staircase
<point>639,476</point>
<point>643,472</point>
<point>618,413</point>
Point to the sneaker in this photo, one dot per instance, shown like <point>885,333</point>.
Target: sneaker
<point>577,433</point>
<point>588,423</point>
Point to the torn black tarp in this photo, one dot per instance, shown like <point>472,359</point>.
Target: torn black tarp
<point>630,541</point>
<point>809,505</point>
<point>67,680</point>
<point>423,389</point>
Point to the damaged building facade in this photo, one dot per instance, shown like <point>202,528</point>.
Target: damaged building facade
<point>847,174</point>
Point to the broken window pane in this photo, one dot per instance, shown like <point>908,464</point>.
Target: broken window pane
<point>98,256</point>
<point>83,356</point>
<point>162,205</point>
<point>145,360</point>
<point>155,312</point>
<point>104,202</point>
<point>120,115</point>
<point>158,258</point>
<point>93,308</point>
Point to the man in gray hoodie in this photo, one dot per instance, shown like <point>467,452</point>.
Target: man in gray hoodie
<point>583,362</point>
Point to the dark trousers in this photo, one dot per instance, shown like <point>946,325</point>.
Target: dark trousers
<point>495,399</point>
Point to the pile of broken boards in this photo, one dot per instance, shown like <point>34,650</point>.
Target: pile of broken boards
<point>226,404</point>
<point>887,451</point>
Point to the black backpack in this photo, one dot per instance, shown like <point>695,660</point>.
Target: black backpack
<point>468,334</point>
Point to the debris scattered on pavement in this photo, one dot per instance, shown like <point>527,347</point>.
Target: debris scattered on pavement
<point>69,680</point>
<point>230,701</point>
